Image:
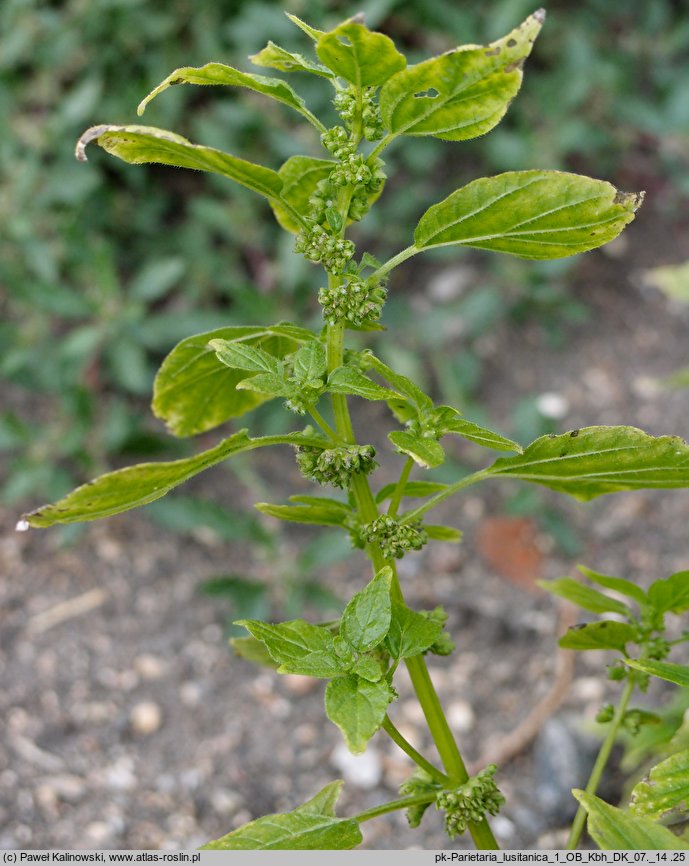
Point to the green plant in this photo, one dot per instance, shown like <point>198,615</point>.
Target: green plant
<point>213,377</point>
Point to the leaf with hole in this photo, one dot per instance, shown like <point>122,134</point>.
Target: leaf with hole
<point>460,94</point>
<point>358,55</point>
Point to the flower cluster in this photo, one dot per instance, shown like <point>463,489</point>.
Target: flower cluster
<point>319,246</point>
<point>336,466</point>
<point>470,802</point>
<point>338,142</point>
<point>443,645</point>
<point>394,538</point>
<point>345,103</point>
<point>354,302</point>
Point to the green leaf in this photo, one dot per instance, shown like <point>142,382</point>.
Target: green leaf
<point>426,452</point>
<point>615,830</point>
<point>300,175</point>
<point>666,788</point>
<point>310,362</point>
<point>358,55</point>
<point>670,594</point>
<point>194,391</point>
<point>311,827</point>
<point>606,635</point>
<point>357,707</point>
<point>402,384</point>
<point>460,94</point>
<point>271,384</point>
<point>475,433</point>
<point>411,488</point>
<point>298,647</point>
<point>366,619</point>
<point>242,356</point>
<point>584,596</point>
<point>531,214</point>
<point>310,31</point>
<point>617,584</point>
<point>219,73</point>
<point>349,380</point>
<point>145,144</point>
<point>410,632</point>
<point>595,460</point>
<point>369,668</point>
<point>253,651</point>
<point>677,674</point>
<point>443,533</point>
<point>275,57</point>
<point>323,514</point>
<point>138,485</point>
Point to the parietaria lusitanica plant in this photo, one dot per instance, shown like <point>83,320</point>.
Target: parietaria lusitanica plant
<point>211,378</point>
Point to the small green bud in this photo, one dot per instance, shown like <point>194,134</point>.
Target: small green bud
<point>470,802</point>
<point>394,538</point>
<point>336,466</point>
<point>354,302</point>
<point>317,245</point>
<point>337,141</point>
<point>617,672</point>
<point>605,714</point>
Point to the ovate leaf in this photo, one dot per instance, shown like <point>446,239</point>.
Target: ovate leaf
<point>366,619</point>
<point>275,57</point>
<point>242,356</point>
<point>615,830</point>
<point>297,647</point>
<point>426,452</point>
<point>312,827</point>
<point>357,707</point>
<point>219,73</point>
<point>671,594</point>
<point>270,384</point>
<point>584,596</point>
<point>145,144</point>
<point>531,214</point>
<point>595,460</point>
<point>194,392</point>
<point>310,362</point>
<point>677,674</point>
<point>463,93</point>
<point>606,635</point>
<point>300,175</point>
<point>253,650</point>
<point>358,55</point>
<point>402,384</point>
<point>410,632</point>
<point>617,584</point>
<point>349,380</point>
<point>138,485</point>
<point>666,788</point>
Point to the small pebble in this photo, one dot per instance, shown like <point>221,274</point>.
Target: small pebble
<point>365,771</point>
<point>146,718</point>
<point>149,667</point>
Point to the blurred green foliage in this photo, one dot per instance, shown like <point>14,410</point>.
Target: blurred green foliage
<point>103,268</point>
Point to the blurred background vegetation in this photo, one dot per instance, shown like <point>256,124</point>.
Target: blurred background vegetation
<point>104,267</point>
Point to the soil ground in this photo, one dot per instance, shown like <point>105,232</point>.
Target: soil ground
<point>128,724</point>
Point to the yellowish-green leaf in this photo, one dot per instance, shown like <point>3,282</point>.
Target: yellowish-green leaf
<point>670,594</point>
<point>452,422</point>
<point>323,513</point>
<point>617,584</point>
<point>615,830</point>
<point>463,93</point>
<point>355,53</point>
<point>531,214</point>
<point>666,788</point>
<point>673,673</point>
<point>253,650</point>
<point>350,380</point>
<point>300,176</point>
<point>298,647</point>
<point>605,635</point>
<point>194,391</point>
<point>275,57</point>
<point>584,596</point>
<point>220,74</point>
<point>139,145</point>
<point>595,460</point>
<point>138,485</point>
<point>312,827</point>
<point>426,452</point>
<point>307,28</point>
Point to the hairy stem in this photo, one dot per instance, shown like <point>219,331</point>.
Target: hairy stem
<point>323,424</point>
<point>416,757</point>
<point>402,256</point>
<point>601,761</point>
<point>395,805</point>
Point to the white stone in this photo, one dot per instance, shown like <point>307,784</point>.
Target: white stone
<point>365,771</point>
<point>146,718</point>
<point>552,405</point>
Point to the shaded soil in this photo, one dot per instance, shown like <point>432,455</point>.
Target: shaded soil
<point>128,724</point>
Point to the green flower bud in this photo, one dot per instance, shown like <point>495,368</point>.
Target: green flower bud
<point>337,141</point>
<point>605,714</point>
<point>336,466</point>
<point>394,538</point>
<point>317,245</point>
<point>470,802</point>
<point>354,302</point>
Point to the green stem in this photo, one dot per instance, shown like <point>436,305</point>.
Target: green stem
<point>416,757</point>
<point>394,261</point>
<point>382,144</point>
<point>398,493</point>
<point>395,805</point>
<point>323,424</point>
<point>601,761</point>
<point>467,481</point>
